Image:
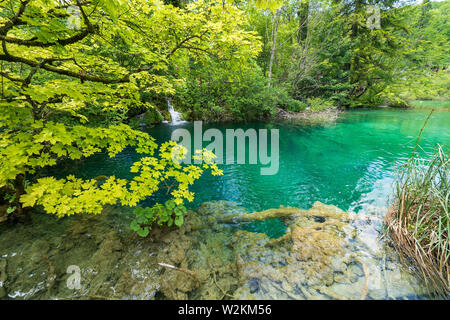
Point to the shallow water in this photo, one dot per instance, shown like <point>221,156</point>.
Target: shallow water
<point>350,163</point>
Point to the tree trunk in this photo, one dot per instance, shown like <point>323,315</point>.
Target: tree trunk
<point>354,61</point>
<point>303,21</point>
<point>274,43</point>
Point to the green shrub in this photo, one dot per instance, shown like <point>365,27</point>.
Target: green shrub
<point>296,106</point>
<point>170,213</point>
<point>432,86</point>
<point>320,104</point>
<point>219,96</point>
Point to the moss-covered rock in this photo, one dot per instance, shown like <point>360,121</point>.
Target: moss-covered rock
<point>152,116</point>
<point>325,253</point>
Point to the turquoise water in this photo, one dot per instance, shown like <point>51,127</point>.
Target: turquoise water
<point>350,164</point>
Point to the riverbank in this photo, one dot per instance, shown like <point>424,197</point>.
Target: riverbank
<point>306,117</point>
<point>309,117</point>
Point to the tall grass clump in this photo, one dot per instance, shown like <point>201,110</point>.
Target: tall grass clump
<point>419,221</point>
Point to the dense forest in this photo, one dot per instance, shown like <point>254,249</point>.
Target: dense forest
<point>77,77</point>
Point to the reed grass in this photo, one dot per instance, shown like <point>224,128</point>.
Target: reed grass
<point>419,222</point>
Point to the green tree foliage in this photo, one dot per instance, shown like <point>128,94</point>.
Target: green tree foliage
<point>170,213</point>
<point>73,73</point>
<point>214,93</point>
<point>336,49</point>
<point>220,90</point>
<point>374,50</point>
<point>430,34</point>
<point>425,73</point>
<point>64,61</point>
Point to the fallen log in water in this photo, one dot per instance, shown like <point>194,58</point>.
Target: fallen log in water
<point>283,212</point>
<point>319,210</point>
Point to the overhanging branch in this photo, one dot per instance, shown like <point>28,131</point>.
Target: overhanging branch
<point>35,43</point>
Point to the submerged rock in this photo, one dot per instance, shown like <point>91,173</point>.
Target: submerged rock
<point>324,254</point>
<point>3,278</point>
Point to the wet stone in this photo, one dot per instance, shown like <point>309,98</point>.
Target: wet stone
<point>324,254</point>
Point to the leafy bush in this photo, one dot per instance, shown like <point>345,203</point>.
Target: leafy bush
<point>296,106</point>
<point>320,104</point>
<point>214,93</point>
<point>430,87</point>
<point>278,96</point>
<point>248,100</point>
<point>170,213</point>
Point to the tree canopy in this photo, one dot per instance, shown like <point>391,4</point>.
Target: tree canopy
<point>56,63</point>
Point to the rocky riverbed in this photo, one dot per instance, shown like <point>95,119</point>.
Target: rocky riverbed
<point>324,254</point>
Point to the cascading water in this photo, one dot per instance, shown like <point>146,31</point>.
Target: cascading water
<point>176,116</point>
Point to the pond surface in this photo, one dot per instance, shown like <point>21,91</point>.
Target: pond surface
<point>350,164</point>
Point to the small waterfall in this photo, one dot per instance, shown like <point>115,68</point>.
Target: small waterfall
<point>176,116</point>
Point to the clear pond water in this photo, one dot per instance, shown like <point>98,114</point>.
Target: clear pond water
<point>350,163</point>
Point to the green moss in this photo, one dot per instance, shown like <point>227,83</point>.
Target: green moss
<point>313,260</point>
<point>153,116</point>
